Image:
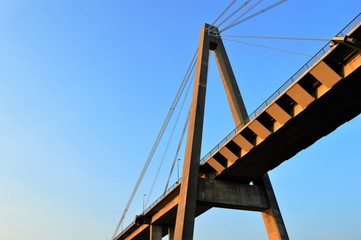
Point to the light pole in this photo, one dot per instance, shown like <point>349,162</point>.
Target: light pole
<point>178,169</point>
<point>143,202</point>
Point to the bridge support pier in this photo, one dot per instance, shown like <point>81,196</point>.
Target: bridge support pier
<point>186,211</point>
<point>272,218</point>
<point>258,197</point>
<point>155,232</point>
<point>170,232</point>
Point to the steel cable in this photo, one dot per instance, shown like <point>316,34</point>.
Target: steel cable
<point>224,11</point>
<point>234,12</point>
<point>272,48</point>
<point>172,133</point>
<point>253,15</point>
<point>151,154</point>
<point>244,13</point>
<point>279,38</point>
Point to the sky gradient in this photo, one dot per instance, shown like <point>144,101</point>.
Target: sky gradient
<point>86,85</point>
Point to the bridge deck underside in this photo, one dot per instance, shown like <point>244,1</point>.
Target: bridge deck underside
<point>339,105</point>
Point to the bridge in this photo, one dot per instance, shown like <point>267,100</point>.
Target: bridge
<point>324,94</point>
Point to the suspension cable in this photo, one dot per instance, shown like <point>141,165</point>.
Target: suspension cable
<point>244,13</point>
<point>279,38</point>
<point>224,11</point>
<point>253,15</point>
<point>180,140</point>
<point>234,12</point>
<point>156,143</point>
<point>177,152</point>
<point>272,48</point>
<point>171,135</point>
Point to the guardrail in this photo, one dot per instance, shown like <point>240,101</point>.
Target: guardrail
<point>156,202</point>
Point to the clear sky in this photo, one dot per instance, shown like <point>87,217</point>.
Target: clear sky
<point>86,85</point>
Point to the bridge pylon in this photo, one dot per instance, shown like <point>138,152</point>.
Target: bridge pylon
<point>202,191</point>
<point>316,100</point>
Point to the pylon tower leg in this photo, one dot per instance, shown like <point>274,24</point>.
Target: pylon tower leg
<point>272,218</point>
<point>188,192</point>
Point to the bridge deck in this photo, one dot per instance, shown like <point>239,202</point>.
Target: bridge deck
<point>322,96</point>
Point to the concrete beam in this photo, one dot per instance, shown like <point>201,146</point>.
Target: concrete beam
<point>243,143</point>
<point>278,113</point>
<point>215,165</point>
<point>325,74</point>
<point>259,129</point>
<point>216,193</point>
<point>229,155</point>
<point>299,95</point>
<point>142,228</point>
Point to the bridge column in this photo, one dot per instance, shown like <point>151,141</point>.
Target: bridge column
<point>155,232</point>
<point>170,232</point>
<point>272,218</point>
<point>186,211</point>
<point>230,85</point>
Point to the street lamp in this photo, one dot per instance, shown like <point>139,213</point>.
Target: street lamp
<point>143,202</point>
<point>178,169</point>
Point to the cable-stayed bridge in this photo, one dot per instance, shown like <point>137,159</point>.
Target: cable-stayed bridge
<point>324,94</point>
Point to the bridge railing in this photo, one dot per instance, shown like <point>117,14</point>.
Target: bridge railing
<point>269,100</point>
<point>280,90</point>
<point>163,195</point>
<point>350,26</point>
<point>156,202</point>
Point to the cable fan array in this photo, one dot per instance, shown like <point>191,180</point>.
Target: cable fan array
<point>239,15</point>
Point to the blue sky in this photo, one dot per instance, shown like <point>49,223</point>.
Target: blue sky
<point>84,89</point>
